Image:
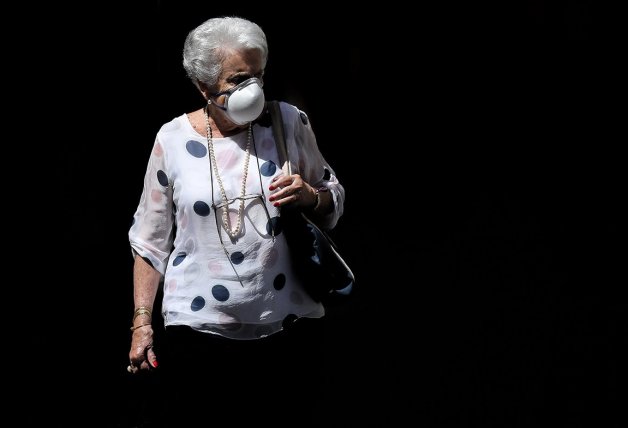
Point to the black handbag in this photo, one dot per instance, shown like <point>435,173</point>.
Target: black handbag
<point>315,257</point>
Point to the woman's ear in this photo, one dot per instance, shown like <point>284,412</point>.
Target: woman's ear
<point>204,90</point>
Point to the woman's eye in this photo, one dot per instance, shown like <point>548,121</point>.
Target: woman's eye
<point>239,79</point>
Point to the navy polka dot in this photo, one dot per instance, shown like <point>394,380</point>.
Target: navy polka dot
<point>237,258</point>
<point>162,178</point>
<point>327,174</point>
<point>197,304</point>
<point>220,292</point>
<point>201,208</point>
<point>303,118</point>
<point>196,149</point>
<point>279,282</point>
<point>289,320</point>
<point>177,260</point>
<point>274,223</point>
<point>268,168</point>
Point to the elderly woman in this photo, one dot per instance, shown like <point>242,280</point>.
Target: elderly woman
<point>238,322</point>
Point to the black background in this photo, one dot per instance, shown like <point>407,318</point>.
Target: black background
<point>479,148</point>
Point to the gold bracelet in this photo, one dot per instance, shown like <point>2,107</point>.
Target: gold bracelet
<point>142,310</point>
<point>140,326</point>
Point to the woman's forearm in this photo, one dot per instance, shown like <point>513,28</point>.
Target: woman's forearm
<point>145,284</point>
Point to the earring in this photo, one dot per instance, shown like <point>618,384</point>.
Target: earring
<point>209,102</point>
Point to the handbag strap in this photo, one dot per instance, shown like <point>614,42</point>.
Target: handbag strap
<point>280,136</point>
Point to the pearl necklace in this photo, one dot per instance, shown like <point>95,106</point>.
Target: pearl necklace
<point>225,213</point>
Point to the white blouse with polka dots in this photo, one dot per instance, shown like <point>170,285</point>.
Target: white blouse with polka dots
<point>247,291</point>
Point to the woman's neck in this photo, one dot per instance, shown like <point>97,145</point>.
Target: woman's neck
<point>220,128</point>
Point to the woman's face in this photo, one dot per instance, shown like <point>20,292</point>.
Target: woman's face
<point>237,67</point>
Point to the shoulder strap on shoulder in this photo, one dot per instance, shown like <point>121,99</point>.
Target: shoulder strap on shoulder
<point>280,137</point>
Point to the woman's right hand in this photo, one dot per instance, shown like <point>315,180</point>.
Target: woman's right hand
<point>142,355</point>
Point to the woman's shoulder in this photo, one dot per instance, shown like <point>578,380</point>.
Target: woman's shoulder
<point>291,113</point>
<point>175,135</point>
<point>176,125</point>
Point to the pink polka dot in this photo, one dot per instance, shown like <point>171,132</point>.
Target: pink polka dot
<point>158,150</point>
<point>227,159</point>
<point>156,195</point>
<point>172,286</point>
<point>214,266</point>
<point>233,215</point>
<point>184,221</point>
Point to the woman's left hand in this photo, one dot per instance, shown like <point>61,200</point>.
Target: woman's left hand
<point>142,355</point>
<point>293,190</point>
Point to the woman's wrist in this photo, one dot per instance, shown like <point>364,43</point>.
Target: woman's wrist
<point>321,203</point>
<point>139,326</point>
<point>142,316</point>
<point>142,312</point>
<point>316,200</point>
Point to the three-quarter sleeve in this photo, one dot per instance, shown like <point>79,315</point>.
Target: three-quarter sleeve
<point>151,234</point>
<point>314,169</point>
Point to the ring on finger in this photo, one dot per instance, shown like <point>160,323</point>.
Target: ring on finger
<point>129,369</point>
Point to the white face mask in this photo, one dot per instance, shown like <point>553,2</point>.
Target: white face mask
<point>244,102</point>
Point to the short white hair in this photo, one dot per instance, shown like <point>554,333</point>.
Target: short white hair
<point>205,46</point>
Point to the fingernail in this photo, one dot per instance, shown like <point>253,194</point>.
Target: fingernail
<point>276,204</point>
<point>271,188</point>
<point>155,363</point>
